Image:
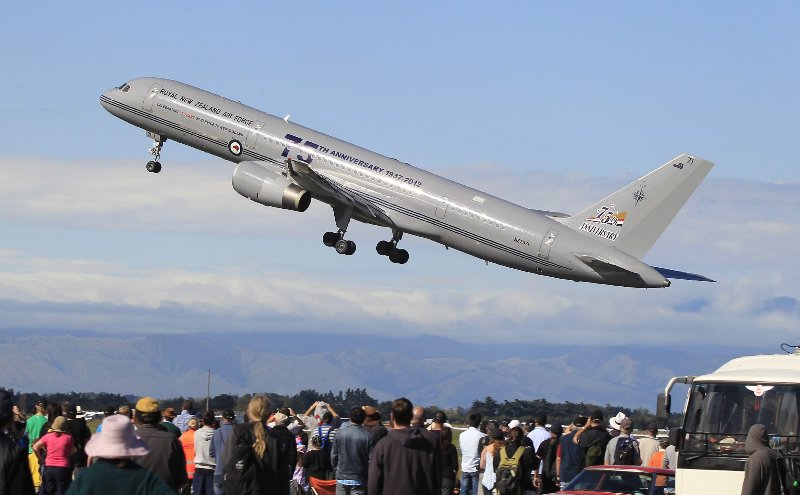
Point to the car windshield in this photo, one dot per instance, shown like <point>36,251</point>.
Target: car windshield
<point>719,416</point>
<point>609,480</point>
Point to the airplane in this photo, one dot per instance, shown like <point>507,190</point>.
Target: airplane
<point>285,165</point>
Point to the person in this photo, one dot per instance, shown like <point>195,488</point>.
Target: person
<point>281,431</point>
<point>418,416</point>
<point>326,432</point>
<point>108,411</point>
<point>15,476</point>
<point>525,465</point>
<point>449,458</point>
<point>373,424</point>
<point>593,438</point>
<point>470,457</point>
<point>406,461</point>
<point>614,424</point>
<point>168,416</point>
<point>489,453</point>
<point>33,429</point>
<point>350,455</point>
<point>439,421</point>
<point>546,479</point>
<point>657,459</point>
<point>265,472</point>
<point>623,449</point>
<point>204,462</point>
<point>187,413</point>
<point>57,443</point>
<point>218,441</point>
<point>648,444</point>
<point>126,411</point>
<point>570,455</point>
<point>763,470</point>
<point>539,433</point>
<point>187,444</point>
<point>670,459</point>
<point>166,458</point>
<point>80,433</point>
<point>112,451</point>
<point>315,463</point>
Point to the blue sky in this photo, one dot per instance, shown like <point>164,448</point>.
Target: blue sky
<point>552,105</point>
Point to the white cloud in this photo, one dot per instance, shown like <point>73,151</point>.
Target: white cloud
<point>742,233</point>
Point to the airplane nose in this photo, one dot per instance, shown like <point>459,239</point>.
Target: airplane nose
<point>108,100</point>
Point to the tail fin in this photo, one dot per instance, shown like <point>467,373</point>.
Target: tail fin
<point>634,217</point>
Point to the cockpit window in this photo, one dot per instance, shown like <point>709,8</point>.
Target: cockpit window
<point>124,87</point>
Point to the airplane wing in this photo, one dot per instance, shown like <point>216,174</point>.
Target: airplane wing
<point>310,180</point>
<point>675,274</point>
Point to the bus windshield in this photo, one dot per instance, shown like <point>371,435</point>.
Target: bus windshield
<point>719,416</point>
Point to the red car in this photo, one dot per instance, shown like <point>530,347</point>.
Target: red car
<point>635,480</point>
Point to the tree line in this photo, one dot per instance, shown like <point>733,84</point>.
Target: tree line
<point>343,401</point>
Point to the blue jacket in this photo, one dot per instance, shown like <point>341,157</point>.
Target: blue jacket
<point>350,453</point>
<point>218,444</point>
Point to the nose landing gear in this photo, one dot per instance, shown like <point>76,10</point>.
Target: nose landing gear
<point>154,166</point>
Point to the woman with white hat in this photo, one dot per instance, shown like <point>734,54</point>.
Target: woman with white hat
<point>57,467</point>
<point>112,469</point>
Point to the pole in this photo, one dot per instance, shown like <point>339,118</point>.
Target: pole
<point>208,389</point>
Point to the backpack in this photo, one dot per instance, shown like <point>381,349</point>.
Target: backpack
<point>625,453</point>
<point>595,453</point>
<point>241,469</point>
<point>508,480</point>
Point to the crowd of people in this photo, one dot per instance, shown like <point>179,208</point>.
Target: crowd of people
<point>150,450</point>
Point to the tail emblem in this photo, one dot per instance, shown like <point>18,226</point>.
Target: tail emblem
<point>639,196</point>
<point>606,215</point>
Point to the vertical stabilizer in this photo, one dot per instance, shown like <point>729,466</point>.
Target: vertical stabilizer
<point>634,217</point>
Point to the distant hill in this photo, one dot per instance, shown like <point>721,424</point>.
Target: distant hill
<point>429,370</point>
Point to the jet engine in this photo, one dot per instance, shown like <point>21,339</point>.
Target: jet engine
<point>269,188</point>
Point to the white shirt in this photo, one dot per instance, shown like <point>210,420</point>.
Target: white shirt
<point>470,457</point>
<point>537,436</point>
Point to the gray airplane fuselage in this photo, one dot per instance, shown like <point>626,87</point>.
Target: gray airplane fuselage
<point>417,202</point>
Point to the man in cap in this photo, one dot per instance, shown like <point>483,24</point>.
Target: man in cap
<point>623,449</point>
<point>169,415</point>
<point>648,445</point>
<point>15,477</point>
<point>614,424</point>
<point>166,457</point>
<point>569,458</point>
<point>218,445</point>
<point>594,439</point>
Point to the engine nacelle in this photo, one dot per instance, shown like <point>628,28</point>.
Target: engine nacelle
<point>269,188</point>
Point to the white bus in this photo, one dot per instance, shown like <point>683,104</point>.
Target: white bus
<point>720,409</point>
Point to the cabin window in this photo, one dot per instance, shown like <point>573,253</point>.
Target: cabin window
<point>124,87</point>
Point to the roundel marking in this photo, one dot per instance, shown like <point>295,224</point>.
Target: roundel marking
<point>235,147</point>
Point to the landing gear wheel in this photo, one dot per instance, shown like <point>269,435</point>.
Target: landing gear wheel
<point>154,167</point>
<point>384,248</point>
<point>330,238</point>
<point>343,246</point>
<point>399,256</point>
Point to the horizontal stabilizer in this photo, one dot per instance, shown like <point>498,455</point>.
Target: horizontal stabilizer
<point>676,275</point>
<point>602,265</point>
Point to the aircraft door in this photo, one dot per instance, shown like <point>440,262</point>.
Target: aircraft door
<point>253,133</point>
<point>150,97</point>
<point>547,243</point>
<point>441,208</point>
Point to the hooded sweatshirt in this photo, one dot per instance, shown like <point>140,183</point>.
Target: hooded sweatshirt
<point>762,471</point>
<point>405,462</point>
<point>202,449</point>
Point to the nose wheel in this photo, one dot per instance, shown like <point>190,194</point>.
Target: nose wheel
<point>337,241</point>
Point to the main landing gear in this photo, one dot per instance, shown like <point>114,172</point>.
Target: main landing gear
<point>337,241</point>
<point>158,142</point>
<point>389,248</point>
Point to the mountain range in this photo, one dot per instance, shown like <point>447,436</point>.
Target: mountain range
<point>429,370</point>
